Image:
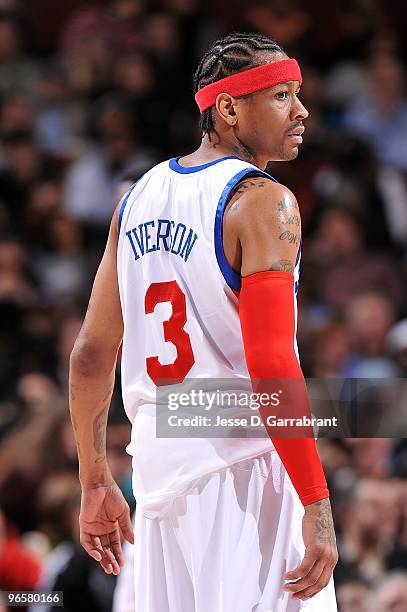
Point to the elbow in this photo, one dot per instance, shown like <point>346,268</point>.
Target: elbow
<point>88,358</point>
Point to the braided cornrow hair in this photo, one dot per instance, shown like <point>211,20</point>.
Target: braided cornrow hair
<point>234,53</point>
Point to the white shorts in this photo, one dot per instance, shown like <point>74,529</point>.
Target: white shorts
<point>225,545</point>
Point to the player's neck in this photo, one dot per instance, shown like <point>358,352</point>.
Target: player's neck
<point>216,147</point>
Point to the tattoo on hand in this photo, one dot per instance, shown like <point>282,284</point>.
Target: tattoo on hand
<point>283,265</point>
<point>290,237</point>
<point>324,527</point>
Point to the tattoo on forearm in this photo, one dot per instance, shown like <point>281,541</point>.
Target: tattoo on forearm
<point>290,237</point>
<point>283,265</point>
<point>324,527</point>
<point>99,431</point>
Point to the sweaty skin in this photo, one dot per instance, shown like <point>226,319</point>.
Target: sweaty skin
<point>262,229</point>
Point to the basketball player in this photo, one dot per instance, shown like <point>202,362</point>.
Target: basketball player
<point>198,280</point>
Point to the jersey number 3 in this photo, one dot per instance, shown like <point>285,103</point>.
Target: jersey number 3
<point>173,332</point>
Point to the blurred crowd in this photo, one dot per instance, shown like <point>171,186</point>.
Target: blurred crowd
<point>92,94</point>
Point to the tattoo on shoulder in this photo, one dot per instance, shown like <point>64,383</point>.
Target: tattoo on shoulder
<point>250,184</point>
<point>283,265</point>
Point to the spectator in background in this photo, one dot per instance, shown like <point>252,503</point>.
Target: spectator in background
<point>396,342</point>
<point>14,285</point>
<point>390,595</point>
<point>60,270</point>
<point>368,525</point>
<point>59,119</point>
<point>25,165</point>
<point>381,116</point>
<point>345,267</point>
<point>91,182</point>
<point>352,596</point>
<point>137,81</point>
<point>17,115</point>
<point>369,317</point>
<point>17,73</point>
<point>331,351</point>
<point>87,52</point>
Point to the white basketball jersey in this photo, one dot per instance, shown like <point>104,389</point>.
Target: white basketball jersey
<point>180,311</point>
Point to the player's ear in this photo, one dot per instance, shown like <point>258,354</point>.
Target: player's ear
<point>225,105</point>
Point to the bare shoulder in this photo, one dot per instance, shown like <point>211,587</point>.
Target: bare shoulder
<point>261,198</point>
<point>264,217</point>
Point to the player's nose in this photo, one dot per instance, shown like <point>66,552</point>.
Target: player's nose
<point>299,112</point>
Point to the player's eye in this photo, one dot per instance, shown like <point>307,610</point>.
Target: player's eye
<point>282,95</point>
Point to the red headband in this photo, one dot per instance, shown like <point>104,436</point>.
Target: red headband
<point>248,81</point>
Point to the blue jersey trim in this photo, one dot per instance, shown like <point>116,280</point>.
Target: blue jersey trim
<point>174,165</point>
<point>233,279</point>
<point>299,253</point>
<point>123,205</point>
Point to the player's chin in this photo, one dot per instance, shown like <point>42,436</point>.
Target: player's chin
<point>290,153</point>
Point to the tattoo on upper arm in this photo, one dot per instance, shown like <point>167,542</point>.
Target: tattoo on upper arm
<point>283,265</point>
<point>286,204</point>
<point>290,237</point>
<point>292,220</point>
<point>289,216</point>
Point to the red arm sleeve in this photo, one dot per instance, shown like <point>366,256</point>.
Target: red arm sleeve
<point>267,318</point>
